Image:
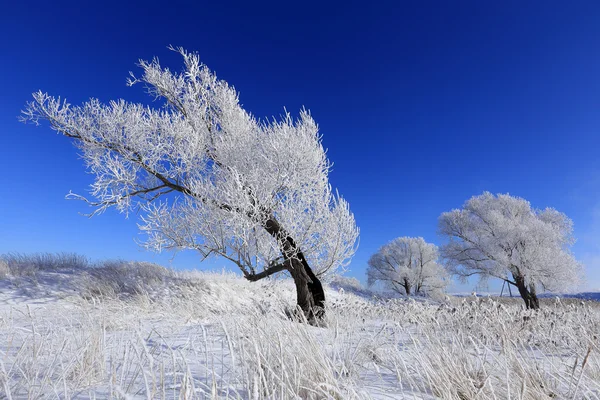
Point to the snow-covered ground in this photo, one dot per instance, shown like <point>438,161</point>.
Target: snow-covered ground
<point>136,330</point>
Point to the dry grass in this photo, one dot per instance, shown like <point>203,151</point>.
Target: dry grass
<point>215,336</point>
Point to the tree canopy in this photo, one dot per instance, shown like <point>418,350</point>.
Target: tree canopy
<point>207,175</point>
<point>504,237</point>
<point>407,266</point>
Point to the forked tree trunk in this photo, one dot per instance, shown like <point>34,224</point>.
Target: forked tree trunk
<point>528,294</point>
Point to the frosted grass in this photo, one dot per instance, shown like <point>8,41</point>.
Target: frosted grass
<point>216,336</point>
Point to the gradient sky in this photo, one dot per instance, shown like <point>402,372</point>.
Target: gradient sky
<point>421,106</point>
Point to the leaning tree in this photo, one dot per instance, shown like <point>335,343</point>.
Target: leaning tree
<point>408,266</point>
<point>207,175</point>
<point>503,237</point>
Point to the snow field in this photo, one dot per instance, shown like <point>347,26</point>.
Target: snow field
<point>150,333</point>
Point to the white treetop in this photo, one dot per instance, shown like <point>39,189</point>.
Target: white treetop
<point>407,265</point>
<point>503,237</point>
<point>206,174</point>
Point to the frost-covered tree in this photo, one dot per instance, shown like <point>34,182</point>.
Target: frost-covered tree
<point>503,237</point>
<point>408,266</point>
<point>207,175</point>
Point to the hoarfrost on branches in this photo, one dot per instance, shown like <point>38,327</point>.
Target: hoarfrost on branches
<point>408,266</point>
<point>241,187</point>
<point>503,237</point>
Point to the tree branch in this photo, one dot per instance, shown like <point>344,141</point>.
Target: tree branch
<point>268,272</point>
<point>105,204</point>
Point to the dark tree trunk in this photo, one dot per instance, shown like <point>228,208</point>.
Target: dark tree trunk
<point>309,290</point>
<point>310,296</point>
<point>528,294</point>
<point>407,287</point>
<point>316,289</point>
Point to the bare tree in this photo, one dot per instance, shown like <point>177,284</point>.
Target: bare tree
<point>207,175</point>
<point>408,266</point>
<point>503,237</point>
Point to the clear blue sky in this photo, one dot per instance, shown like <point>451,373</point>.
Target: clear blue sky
<point>421,105</point>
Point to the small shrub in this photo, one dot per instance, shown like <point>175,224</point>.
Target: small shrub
<point>116,278</point>
<point>4,271</point>
<point>27,265</point>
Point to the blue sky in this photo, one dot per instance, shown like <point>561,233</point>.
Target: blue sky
<point>421,105</point>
